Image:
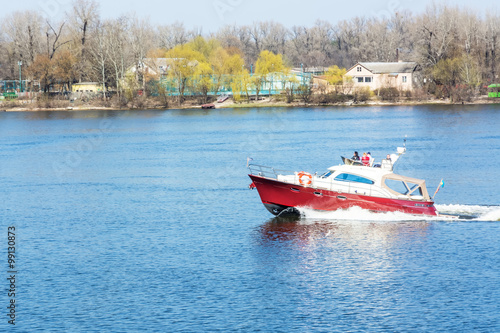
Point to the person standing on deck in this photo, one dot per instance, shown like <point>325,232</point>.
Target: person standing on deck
<point>365,160</point>
<point>370,159</point>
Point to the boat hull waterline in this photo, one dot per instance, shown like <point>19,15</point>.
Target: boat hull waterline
<point>278,196</point>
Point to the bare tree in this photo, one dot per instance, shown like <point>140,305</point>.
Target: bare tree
<point>438,32</point>
<point>275,37</point>
<point>84,16</point>
<point>23,31</point>
<point>323,40</point>
<point>5,70</point>
<point>491,31</point>
<point>118,50</point>
<point>174,34</point>
<point>99,53</point>
<point>402,34</point>
<point>54,40</point>
<point>348,35</point>
<point>232,36</point>
<point>141,39</point>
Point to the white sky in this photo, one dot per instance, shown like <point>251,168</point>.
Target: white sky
<point>210,15</point>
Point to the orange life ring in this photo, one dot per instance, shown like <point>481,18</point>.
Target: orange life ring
<point>308,179</point>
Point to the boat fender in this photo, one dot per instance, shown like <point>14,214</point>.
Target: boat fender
<point>305,178</point>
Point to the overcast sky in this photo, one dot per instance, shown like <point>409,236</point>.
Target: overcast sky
<point>210,15</point>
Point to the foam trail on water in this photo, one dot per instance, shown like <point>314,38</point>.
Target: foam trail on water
<point>493,215</point>
<point>466,213</point>
<point>359,214</point>
<point>475,212</point>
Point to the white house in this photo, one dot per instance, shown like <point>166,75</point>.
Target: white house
<point>152,66</point>
<point>375,75</point>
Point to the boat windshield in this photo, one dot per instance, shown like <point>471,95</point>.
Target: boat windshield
<point>327,174</point>
<point>410,187</point>
<point>404,187</point>
<point>347,177</point>
<point>413,187</point>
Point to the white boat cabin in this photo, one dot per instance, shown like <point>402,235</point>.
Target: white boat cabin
<point>362,180</point>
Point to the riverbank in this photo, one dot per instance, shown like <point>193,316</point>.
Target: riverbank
<point>267,103</point>
<point>62,105</point>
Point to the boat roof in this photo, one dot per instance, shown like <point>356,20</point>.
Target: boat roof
<point>360,169</point>
<point>374,173</point>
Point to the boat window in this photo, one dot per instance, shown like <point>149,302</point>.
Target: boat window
<point>401,187</point>
<point>415,189</point>
<point>326,174</point>
<point>347,177</point>
<point>396,185</point>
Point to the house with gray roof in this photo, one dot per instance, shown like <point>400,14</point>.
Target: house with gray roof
<point>158,67</point>
<point>375,75</point>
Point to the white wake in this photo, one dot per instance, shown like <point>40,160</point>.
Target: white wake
<point>465,213</point>
<point>476,212</point>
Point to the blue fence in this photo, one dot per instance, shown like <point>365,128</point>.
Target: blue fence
<point>274,85</point>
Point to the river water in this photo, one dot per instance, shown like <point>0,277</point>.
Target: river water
<point>143,221</point>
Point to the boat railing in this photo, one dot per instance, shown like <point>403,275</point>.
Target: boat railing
<point>268,172</point>
<point>317,181</point>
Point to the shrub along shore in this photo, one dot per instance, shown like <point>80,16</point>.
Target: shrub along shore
<point>154,103</point>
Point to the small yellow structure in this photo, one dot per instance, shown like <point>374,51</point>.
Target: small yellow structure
<point>86,87</point>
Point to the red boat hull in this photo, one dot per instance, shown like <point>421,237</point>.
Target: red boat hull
<point>277,196</point>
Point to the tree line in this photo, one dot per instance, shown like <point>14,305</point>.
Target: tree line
<point>455,47</point>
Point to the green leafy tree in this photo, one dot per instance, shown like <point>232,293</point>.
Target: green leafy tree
<point>226,67</point>
<point>203,80</point>
<point>236,88</point>
<point>459,77</point>
<point>183,65</point>
<point>247,83</point>
<point>304,91</point>
<point>337,78</point>
<point>445,72</point>
<point>257,81</point>
<point>267,65</point>
<point>203,46</point>
<point>130,87</point>
<point>290,82</point>
<point>469,71</point>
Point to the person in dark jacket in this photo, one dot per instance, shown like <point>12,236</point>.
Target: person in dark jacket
<point>355,157</point>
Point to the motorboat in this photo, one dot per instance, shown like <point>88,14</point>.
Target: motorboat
<point>374,187</point>
<point>208,106</point>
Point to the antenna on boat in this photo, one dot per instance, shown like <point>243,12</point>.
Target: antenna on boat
<point>399,151</point>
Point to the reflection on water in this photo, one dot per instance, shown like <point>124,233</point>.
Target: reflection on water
<point>88,114</point>
<point>361,269</point>
<point>310,231</point>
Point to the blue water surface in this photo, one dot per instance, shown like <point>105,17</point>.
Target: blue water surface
<point>135,221</point>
